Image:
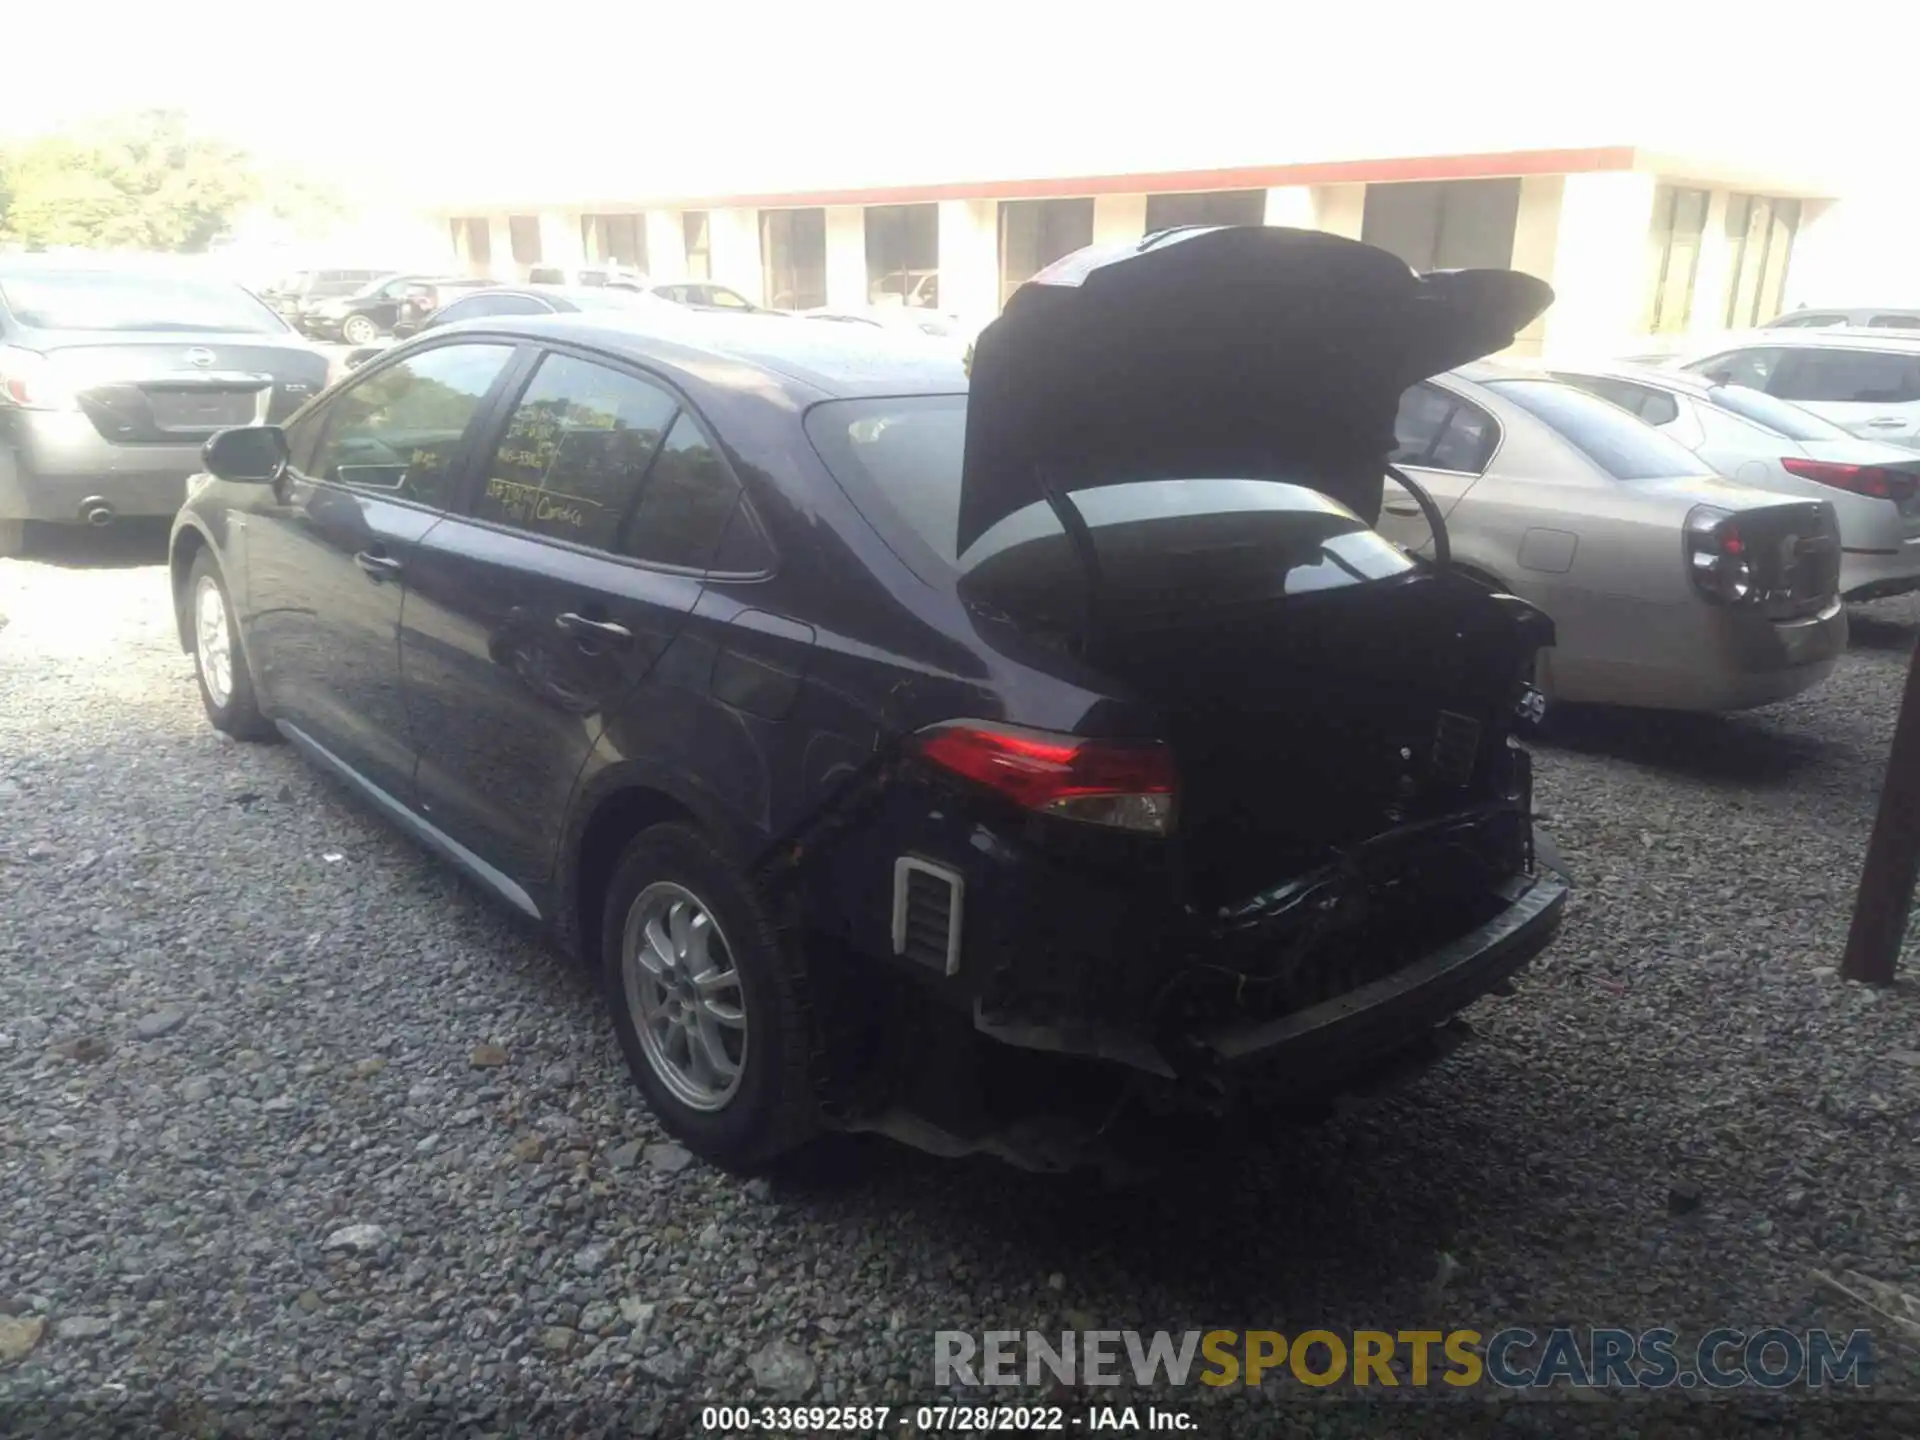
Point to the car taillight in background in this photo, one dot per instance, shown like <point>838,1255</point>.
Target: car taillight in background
<point>1717,558</point>
<point>1123,784</point>
<point>1875,480</point>
<point>28,382</point>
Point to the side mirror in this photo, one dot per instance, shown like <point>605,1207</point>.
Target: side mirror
<point>358,357</point>
<point>247,454</point>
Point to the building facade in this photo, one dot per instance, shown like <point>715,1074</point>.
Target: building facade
<point>1634,243</point>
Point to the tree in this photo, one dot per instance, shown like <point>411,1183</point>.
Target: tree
<point>142,181</point>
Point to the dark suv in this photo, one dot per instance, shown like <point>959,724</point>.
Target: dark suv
<point>912,756</point>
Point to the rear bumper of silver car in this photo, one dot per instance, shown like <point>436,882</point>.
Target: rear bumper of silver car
<point>55,467</point>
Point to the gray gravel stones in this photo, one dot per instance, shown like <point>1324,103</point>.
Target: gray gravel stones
<point>1678,1031</point>
<point>163,1021</point>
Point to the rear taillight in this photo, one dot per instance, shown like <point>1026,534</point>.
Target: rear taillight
<point>28,382</point>
<point>1717,558</point>
<point>1124,784</point>
<point>1874,480</point>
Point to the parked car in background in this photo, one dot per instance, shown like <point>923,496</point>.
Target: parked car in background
<point>111,377</point>
<point>1866,383</point>
<point>1669,586</point>
<point>1877,317</point>
<point>364,316</point>
<point>901,318</point>
<point>501,300</point>
<point>304,289</point>
<point>705,295</point>
<point>1768,444</point>
<point>424,296</point>
<point>750,656</point>
<point>623,277</point>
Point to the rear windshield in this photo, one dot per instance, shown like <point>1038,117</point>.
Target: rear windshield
<point>1777,415</point>
<point>899,461</point>
<point>1620,444</point>
<point>103,300</point>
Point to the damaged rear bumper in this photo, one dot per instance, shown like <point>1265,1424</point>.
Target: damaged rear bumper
<point>1320,1046</point>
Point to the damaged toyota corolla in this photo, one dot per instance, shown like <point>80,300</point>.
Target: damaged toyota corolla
<point>977,761</point>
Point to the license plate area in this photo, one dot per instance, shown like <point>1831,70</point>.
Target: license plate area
<point>202,410</point>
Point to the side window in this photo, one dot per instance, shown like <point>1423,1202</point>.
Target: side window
<point>1656,407</point>
<point>571,461</point>
<point>1861,377</point>
<point>477,306</point>
<point>1423,415</point>
<point>675,293</point>
<point>399,429</point>
<point>1751,368</point>
<point>1895,322</point>
<point>687,500</point>
<point>1808,322</point>
<point>724,298</point>
<point>1436,430</point>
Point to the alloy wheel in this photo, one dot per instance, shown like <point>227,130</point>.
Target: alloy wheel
<point>213,641</point>
<point>684,996</point>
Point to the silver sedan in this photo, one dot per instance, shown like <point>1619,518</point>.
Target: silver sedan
<point>1669,586</point>
<point>1770,444</point>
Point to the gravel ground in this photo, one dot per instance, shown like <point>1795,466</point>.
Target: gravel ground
<point>290,1113</point>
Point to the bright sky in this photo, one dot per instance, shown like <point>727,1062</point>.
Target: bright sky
<point>578,101</point>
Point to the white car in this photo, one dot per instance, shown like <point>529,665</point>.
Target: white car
<point>913,319</point>
<point>1865,382</point>
<point>1769,444</point>
<point>1669,587</point>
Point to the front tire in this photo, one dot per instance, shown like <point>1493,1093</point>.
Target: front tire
<point>709,1001</point>
<point>359,330</point>
<point>219,662</point>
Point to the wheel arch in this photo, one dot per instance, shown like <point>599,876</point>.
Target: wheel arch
<point>188,544</point>
<point>612,809</point>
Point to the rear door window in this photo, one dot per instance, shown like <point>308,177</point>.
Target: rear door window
<point>401,429</point>
<point>1751,368</point>
<point>1858,377</point>
<point>1656,407</point>
<point>570,463</point>
<point>1908,321</point>
<point>1621,444</point>
<point>689,496</point>
<point>1438,430</point>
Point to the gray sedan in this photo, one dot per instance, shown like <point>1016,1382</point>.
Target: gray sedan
<point>111,377</point>
<point>1669,586</point>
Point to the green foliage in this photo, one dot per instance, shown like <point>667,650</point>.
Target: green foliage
<point>142,181</point>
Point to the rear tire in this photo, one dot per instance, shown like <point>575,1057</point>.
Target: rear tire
<point>694,966</point>
<point>219,662</point>
<point>359,330</point>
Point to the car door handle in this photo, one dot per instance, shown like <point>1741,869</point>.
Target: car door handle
<point>1886,422</point>
<point>594,632</point>
<point>1408,510</point>
<point>377,567</point>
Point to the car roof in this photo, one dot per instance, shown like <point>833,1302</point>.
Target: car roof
<point>804,361</point>
<point>1837,338</point>
<point>1684,382</point>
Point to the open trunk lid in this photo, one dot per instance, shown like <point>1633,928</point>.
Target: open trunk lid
<point>1251,351</point>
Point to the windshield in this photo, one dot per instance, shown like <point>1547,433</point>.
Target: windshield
<point>1620,444</point>
<point>1777,415</point>
<point>105,300</point>
<point>899,461</point>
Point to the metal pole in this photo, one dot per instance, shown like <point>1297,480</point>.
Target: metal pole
<point>1893,852</point>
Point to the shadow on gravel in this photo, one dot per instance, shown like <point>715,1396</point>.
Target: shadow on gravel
<point>1878,632</point>
<point>1731,748</point>
<point>124,545</point>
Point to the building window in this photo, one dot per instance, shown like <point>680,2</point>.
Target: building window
<point>1444,224</point>
<point>473,242</point>
<point>1035,233</point>
<point>523,233</point>
<point>903,255</point>
<point>1673,243</point>
<point>615,239</point>
<point>1761,232</point>
<point>1206,207</point>
<point>793,249</point>
<point>693,228</point>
